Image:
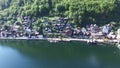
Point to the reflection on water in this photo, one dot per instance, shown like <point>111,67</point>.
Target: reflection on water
<point>11,58</point>
<point>42,54</point>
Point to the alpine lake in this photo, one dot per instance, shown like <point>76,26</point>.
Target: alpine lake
<point>43,54</point>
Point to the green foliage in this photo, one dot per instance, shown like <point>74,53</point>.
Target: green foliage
<point>44,10</point>
<point>60,8</point>
<point>81,12</point>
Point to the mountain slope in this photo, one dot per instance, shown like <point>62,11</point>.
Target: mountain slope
<point>81,12</point>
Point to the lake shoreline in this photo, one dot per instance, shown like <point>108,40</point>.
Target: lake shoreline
<point>55,40</point>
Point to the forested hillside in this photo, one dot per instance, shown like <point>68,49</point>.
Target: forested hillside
<point>81,12</point>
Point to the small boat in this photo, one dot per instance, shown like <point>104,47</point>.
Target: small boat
<point>118,46</point>
<point>92,42</point>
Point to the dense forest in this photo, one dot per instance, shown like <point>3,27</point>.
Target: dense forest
<point>81,12</point>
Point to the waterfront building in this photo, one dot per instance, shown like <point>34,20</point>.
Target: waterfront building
<point>118,34</point>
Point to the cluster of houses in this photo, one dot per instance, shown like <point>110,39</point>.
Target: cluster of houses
<point>21,28</point>
<point>61,27</point>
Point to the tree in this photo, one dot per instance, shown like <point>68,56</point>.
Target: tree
<point>60,8</point>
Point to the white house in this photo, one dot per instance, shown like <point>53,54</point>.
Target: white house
<point>105,30</point>
<point>118,34</point>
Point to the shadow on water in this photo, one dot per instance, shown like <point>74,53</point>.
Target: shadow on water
<point>67,54</point>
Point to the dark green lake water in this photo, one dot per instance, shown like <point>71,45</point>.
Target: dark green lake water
<point>42,54</point>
